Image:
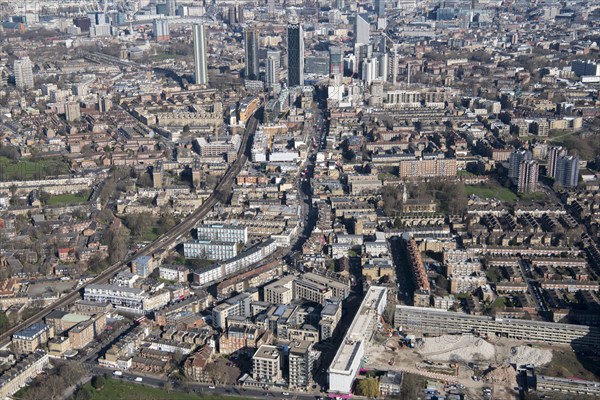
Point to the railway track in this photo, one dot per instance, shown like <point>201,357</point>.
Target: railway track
<point>160,244</point>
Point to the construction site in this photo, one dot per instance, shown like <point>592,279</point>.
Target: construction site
<point>468,362</point>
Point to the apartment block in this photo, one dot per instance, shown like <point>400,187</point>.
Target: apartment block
<point>301,361</point>
<point>223,232</point>
<point>281,291</point>
<point>210,249</point>
<point>30,338</point>
<point>427,167</point>
<point>330,317</point>
<point>122,298</point>
<point>439,322</point>
<point>266,365</point>
<point>237,305</point>
<point>176,273</point>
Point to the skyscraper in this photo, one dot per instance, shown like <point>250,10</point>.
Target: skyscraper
<point>514,163</point>
<point>171,8</point>
<point>370,70</point>
<point>23,73</point>
<point>200,63</point>
<point>554,153</point>
<point>567,171</point>
<point>251,50</point>
<point>528,176</point>
<point>361,30</point>
<point>160,29</point>
<point>379,6</point>
<point>271,72</point>
<point>336,63</point>
<point>295,53</point>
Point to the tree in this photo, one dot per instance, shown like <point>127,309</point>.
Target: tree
<point>83,393</point>
<point>118,240</point>
<point>368,387</point>
<point>98,382</point>
<point>4,322</point>
<point>138,223</point>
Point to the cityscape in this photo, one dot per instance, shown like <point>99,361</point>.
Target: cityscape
<point>299,199</point>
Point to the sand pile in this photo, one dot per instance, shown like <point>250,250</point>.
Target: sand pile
<point>529,355</point>
<point>456,348</point>
<point>504,375</point>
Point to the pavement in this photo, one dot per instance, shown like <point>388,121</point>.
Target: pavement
<point>205,388</point>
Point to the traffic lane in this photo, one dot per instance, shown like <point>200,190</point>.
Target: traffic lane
<point>202,388</point>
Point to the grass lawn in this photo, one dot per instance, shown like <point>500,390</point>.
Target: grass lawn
<point>149,235</point>
<point>536,196</point>
<point>500,302</point>
<point>115,389</point>
<point>31,170</point>
<point>496,192</point>
<point>68,198</point>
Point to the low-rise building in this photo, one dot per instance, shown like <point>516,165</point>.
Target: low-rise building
<point>30,338</point>
<point>19,375</point>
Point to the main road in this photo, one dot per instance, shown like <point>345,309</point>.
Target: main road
<point>164,242</point>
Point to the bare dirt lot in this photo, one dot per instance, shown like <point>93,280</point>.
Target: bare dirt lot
<point>457,359</point>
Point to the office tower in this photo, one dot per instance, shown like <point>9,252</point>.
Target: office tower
<point>370,70</point>
<point>383,66</point>
<point>567,171</point>
<point>514,162</point>
<point>301,362</point>
<point>295,53</point>
<point>23,73</point>
<point>361,29</point>
<point>271,7</point>
<point>271,72</point>
<point>554,153</point>
<point>528,176</point>
<point>251,51</point>
<point>379,6</point>
<point>240,14</point>
<point>336,63</point>
<point>200,67</point>
<point>276,54</point>
<point>171,8</point>
<point>231,17</point>
<point>361,52</point>
<point>160,29</point>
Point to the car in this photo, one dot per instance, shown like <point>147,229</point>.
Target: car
<point>139,379</point>
<point>211,387</point>
<point>285,393</point>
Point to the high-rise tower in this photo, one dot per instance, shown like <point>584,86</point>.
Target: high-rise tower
<point>567,171</point>
<point>23,73</point>
<point>554,153</point>
<point>251,50</point>
<point>200,64</point>
<point>379,6</point>
<point>362,28</point>
<point>528,176</point>
<point>295,53</point>
<point>171,8</point>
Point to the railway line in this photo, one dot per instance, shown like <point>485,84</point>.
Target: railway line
<point>160,244</point>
